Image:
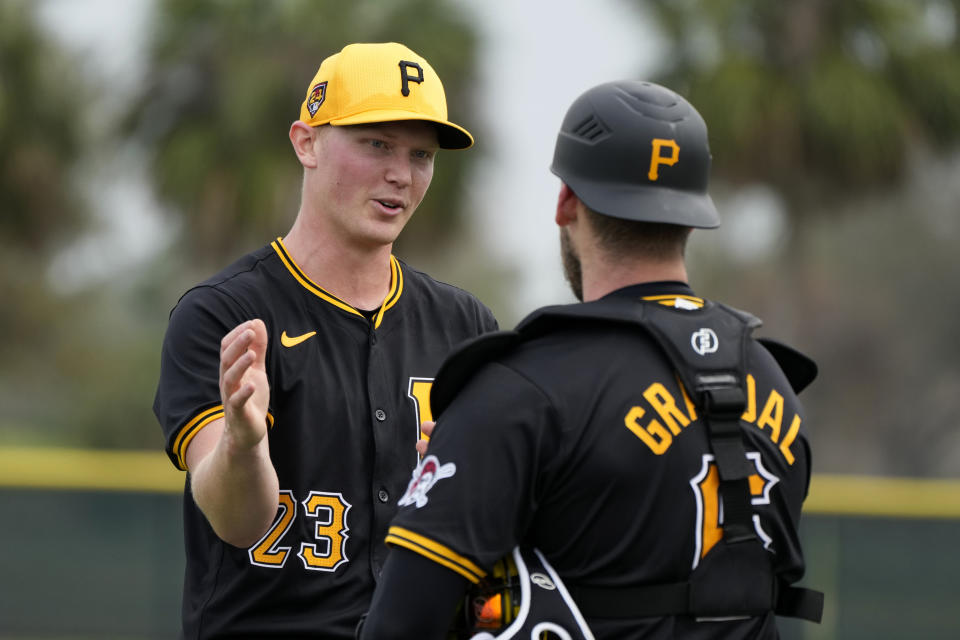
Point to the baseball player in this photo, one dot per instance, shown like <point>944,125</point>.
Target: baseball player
<point>640,459</point>
<point>293,383</point>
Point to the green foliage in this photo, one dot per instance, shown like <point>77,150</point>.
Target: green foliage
<point>228,78</point>
<point>847,110</point>
<point>223,82</point>
<point>828,102</point>
<point>853,124</point>
<point>932,79</point>
<point>41,110</point>
<point>815,97</point>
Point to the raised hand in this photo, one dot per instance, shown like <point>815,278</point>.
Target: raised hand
<point>244,388</point>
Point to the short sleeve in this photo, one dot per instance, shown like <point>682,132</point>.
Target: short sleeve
<point>188,392</point>
<point>487,450</point>
<point>488,321</point>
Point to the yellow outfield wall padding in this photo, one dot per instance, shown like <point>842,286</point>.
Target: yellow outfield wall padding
<point>883,496</point>
<point>88,469</point>
<point>67,469</point>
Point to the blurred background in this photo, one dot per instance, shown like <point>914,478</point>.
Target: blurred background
<point>143,146</point>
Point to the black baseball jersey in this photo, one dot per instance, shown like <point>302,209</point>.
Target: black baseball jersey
<point>581,442</point>
<point>347,396</point>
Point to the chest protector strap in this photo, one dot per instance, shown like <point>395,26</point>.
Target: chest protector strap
<point>707,348</point>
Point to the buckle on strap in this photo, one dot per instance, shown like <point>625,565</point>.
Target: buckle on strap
<point>723,401</point>
<point>722,395</point>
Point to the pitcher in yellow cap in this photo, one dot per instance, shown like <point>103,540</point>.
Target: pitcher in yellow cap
<point>294,382</point>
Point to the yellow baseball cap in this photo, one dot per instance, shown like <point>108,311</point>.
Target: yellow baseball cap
<point>380,82</point>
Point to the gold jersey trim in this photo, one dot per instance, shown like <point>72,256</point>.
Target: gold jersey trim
<point>393,295</point>
<point>192,428</point>
<point>396,288</point>
<point>435,551</point>
<point>670,300</point>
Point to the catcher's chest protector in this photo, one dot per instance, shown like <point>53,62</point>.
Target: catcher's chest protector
<point>707,348</point>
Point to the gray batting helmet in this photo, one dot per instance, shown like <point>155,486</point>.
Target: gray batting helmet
<point>638,151</point>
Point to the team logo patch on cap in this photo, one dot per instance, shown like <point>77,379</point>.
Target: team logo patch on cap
<point>424,477</point>
<point>317,96</point>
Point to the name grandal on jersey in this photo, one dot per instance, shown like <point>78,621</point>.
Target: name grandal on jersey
<point>658,434</point>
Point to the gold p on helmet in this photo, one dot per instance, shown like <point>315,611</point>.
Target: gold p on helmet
<point>637,151</point>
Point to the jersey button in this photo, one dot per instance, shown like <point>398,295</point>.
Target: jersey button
<point>380,414</point>
<point>382,495</point>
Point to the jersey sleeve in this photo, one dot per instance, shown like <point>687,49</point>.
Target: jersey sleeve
<point>415,598</point>
<point>488,322</point>
<point>188,392</point>
<point>471,498</point>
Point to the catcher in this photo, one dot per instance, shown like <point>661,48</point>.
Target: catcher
<point>640,460</point>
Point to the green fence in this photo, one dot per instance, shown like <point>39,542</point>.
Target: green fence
<point>92,548</point>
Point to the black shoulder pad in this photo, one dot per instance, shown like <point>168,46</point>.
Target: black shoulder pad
<point>799,369</point>
<point>463,362</point>
<point>465,359</point>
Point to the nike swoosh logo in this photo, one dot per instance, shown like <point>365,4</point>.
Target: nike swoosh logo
<point>287,341</point>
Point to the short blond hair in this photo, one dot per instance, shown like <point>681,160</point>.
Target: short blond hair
<point>625,238</point>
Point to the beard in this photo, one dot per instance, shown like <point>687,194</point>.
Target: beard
<point>571,264</point>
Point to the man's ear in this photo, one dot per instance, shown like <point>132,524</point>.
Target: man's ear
<point>302,138</point>
<point>567,203</point>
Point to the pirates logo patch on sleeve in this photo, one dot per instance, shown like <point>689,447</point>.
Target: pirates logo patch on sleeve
<point>427,473</point>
